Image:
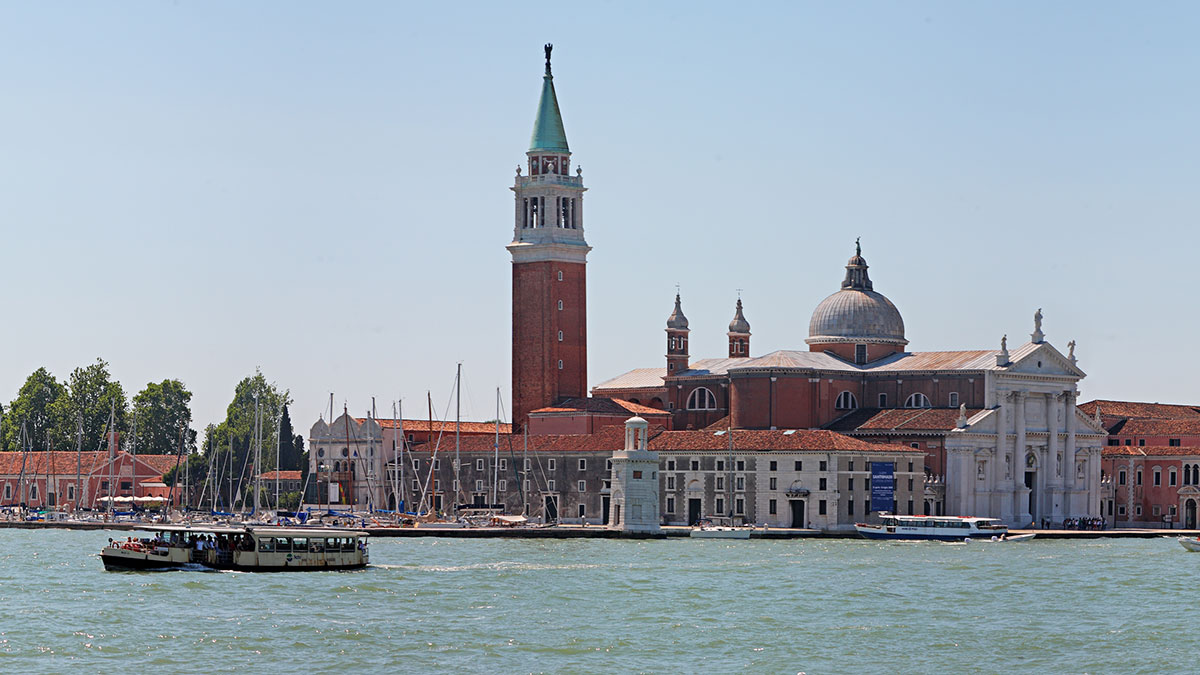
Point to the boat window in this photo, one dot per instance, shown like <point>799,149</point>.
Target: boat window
<point>283,544</point>
<point>348,544</point>
<point>266,544</point>
<point>332,544</point>
<point>299,544</point>
<point>317,545</point>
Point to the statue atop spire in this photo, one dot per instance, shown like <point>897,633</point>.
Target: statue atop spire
<point>1037,335</point>
<point>549,48</point>
<point>858,246</point>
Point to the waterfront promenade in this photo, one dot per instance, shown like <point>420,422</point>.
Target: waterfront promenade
<point>600,532</point>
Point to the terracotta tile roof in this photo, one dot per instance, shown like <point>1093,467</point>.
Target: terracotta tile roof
<point>1131,409</point>
<point>444,426</point>
<point>602,405</point>
<point>903,419</point>
<point>1150,451</point>
<point>819,440</point>
<point>720,424</point>
<point>281,475</point>
<point>65,463</point>
<point>612,438</point>
<point>1150,427</point>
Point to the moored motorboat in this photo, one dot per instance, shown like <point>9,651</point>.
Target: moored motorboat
<point>709,530</point>
<point>938,528</point>
<point>1190,543</point>
<point>248,548</point>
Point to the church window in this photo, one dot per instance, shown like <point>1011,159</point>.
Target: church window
<point>566,212</point>
<point>860,353</point>
<point>846,401</point>
<point>533,212</point>
<point>560,305</point>
<point>1196,474</point>
<point>1171,477</point>
<point>1139,476</point>
<point>560,364</point>
<point>1121,477</point>
<point>701,399</point>
<point>672,344</point>
<point>560,275</point>
<point>1157,476</point>
<point>953,399</point>
<point>883,400</point>
<point>917,400</point>
<point>560,336</point>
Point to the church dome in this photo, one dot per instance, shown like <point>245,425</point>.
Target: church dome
<point>856,313</point>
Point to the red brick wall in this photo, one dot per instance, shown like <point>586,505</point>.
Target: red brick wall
<point>537,381</point>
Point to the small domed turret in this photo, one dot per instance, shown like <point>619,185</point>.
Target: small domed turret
<point>739,334</point>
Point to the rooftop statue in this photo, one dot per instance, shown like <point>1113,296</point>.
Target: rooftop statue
<point>548,49</point>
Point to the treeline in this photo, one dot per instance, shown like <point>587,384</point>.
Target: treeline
<point>49,414</point>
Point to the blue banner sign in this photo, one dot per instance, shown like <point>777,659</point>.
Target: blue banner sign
<point>883,486</point>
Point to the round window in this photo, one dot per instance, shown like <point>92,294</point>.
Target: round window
<point>345,452</point>
<point>320,452</point>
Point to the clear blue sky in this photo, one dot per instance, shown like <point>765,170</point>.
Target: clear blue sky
<point>193,189</point>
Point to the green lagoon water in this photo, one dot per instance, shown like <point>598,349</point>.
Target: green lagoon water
<point>501,606</point>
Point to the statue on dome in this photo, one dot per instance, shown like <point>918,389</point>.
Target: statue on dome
<point>857,246</point>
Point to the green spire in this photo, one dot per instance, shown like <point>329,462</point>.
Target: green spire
<point>548,133</point>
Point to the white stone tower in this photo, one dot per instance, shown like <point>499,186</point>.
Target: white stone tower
<point>634,504</point>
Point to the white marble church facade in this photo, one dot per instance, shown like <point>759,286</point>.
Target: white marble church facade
<point>1030,456</point>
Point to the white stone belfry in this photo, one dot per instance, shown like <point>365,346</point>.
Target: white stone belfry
<point>634,504</point>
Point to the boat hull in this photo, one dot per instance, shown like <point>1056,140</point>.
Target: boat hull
<point>122,560</point>
<point>913,536</point>
<point>729,533</point>
<point>1190,543</point>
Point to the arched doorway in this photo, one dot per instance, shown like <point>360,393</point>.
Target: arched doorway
<point>1189,514</point>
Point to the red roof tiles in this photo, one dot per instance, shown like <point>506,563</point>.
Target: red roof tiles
<point>1150,451</point>
<point>602,405</point>
<point>1132,409</point>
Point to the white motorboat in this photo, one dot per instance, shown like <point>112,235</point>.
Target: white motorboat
<point>1190,543</point>
<point>707,529</point>
<point>937,528</point>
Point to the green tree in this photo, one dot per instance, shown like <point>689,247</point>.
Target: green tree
<point>291,447</point>
<point>160,412</point>
<point>238,427</point>
<point>35,407</point>
<point>91,395</point>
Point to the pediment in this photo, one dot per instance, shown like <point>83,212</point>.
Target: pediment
<point>1043,359</point>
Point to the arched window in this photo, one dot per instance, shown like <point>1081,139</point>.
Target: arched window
<point>701,399</point>
<point>1196,474</point>
<point>917,400</point>
<point>883,403</point>
<point>846,401</point>
<point>1172,480</point>
<point>560,336</point>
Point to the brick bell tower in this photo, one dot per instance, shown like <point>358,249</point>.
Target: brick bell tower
<point>549,256</point>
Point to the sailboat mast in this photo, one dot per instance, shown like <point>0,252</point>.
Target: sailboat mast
<point>278,445</point>
<point>112,453</point>
<point>398,453</point>
<point>457,424</point>
<point>257,452</point>
<point>496,452</point>
<point>525,471</point>
<point>78,463</point>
